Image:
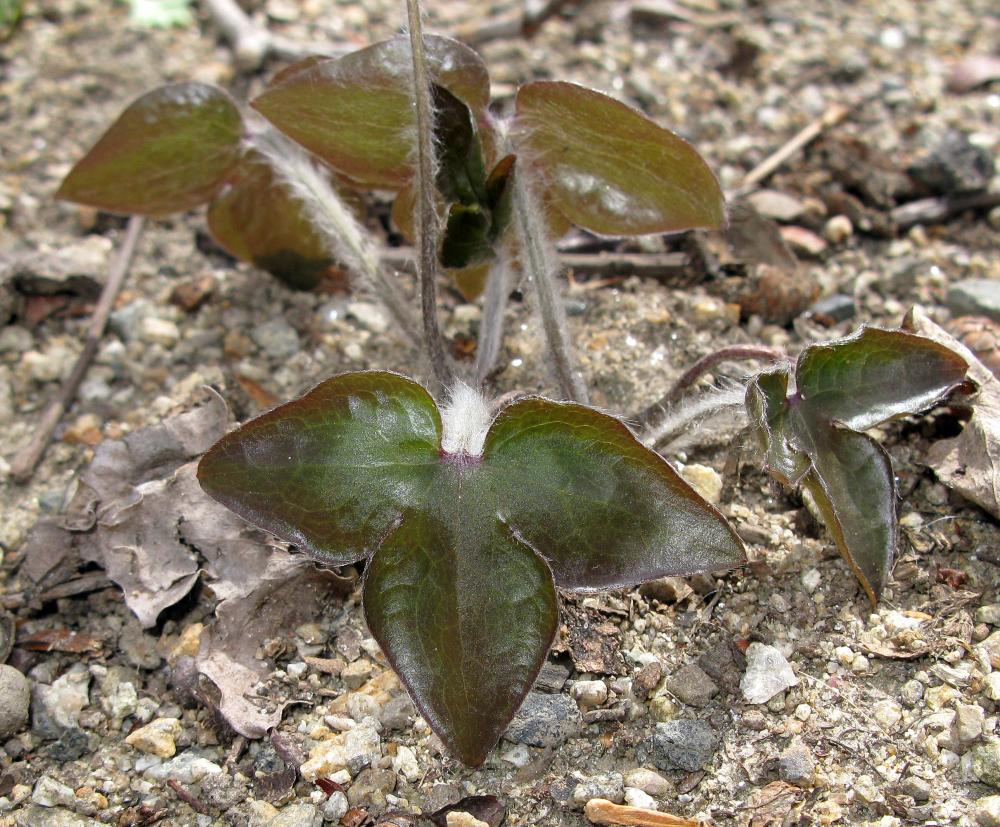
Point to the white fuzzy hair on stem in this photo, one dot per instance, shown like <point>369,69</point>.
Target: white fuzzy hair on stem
<point>465,419</point>
<point>687,421</point>
<point>343,236</point>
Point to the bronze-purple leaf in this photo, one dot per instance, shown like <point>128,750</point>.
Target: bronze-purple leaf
<point>811,436</point>
<point>611,169</point>
<point>168,151</point>
<point>465,547</point>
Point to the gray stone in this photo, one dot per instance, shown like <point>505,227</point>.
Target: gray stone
<point>685,744</point>
<point>369,316</point>
<point>776,205</point>
<point>989,614</point>
<point>36,816</point>
<point>916,788</point>
<point>975,297</point>
<point>222,790</point>
<point>552,677</point>
<point>767,674</point>
<point>987,811</point>
<point>398,713</point>
<point>610,787</point>
<point>648,781</point>
<point>911,692</point>
<point>336,807</point>
<point>370,788</point>
<point>15,698</point>
<point>49,792</point>
<point>986,762</point>
<point>692,686</point>
<point>545,721</point>
<point>58,705</point>
<point>277,338</point>
<point>297,815</point>
<point>796,764</point>
<point>951,163</point>
<point>967,728</point>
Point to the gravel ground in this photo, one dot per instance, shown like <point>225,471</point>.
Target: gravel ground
<point>772,695</point>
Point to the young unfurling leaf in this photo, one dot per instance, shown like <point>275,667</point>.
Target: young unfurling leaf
<point>811,436</point>
<point>466,539</point>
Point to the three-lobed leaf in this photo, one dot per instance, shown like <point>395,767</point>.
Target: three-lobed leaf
<point>611,169</point>
<point>811,436</point>
<point>170,150</point>
<point>465,551</point>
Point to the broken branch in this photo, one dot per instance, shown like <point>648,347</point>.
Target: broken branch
<point>24,462</point>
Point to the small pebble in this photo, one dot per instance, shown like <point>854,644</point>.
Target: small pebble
<point>635,797</point>
<point>911,692</point>
<point>157,738</point>
<point>838,229</point>
<point>589,694</point>
<point>986,762</point>
<point>989,614</point>
<point>917,788</point>
<point>648,781</point>
<point>887,714</point>
<point>811,580</point>
<point>767,674</point>
<point>159,331</point>
<point>15,698</point>
<point>796,764</point>
<point>987,811</point>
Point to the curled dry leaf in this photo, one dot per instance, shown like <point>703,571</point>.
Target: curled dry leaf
<point>969,463</point>
<point>140,514</point>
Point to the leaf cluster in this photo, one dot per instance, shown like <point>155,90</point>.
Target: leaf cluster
<point>605,166</point>
<point>812,435</point>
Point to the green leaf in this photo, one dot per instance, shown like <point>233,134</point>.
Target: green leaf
<point>609,168</point>
<point>461,171</point>
<point>356,112</point>
<point>331,470</point>
<point>168,151</point>
<point>876,375</point>
<point>852,484</point>
<point>161,14</point>
<point>466,239</point>
<point>481,602</point>
<point>811,436</point>
<point>256,219</point>
<point>457,591</point>
<point>603,509</point>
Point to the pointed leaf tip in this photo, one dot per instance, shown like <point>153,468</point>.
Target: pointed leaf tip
<point>169,151</point>
<point>611,169</point>
<point>604,510</point>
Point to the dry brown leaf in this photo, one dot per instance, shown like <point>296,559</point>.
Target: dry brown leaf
<point>969,463</point>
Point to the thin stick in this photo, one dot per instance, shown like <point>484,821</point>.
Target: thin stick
<point>669,268</point>
<point>936,210</point>
<point>425,214</point>
<point>833,115</point>
<point>540,263</point>
<point>23,464</point>
<point>524,25</point>
<point>253,44</point>
<point>651,415</point>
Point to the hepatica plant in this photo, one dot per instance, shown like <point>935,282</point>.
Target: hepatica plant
<point>812,434</point>
<point>467,523</point>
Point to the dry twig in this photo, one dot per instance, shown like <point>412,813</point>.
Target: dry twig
<point>524,25</point>
<point>831,117</point>
<point>602,811</point>
<point>253,44</point>
<point>25,460</point>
